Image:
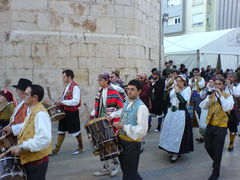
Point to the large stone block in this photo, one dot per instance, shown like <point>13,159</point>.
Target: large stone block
<point>17,49</point>
<point>127,51</point>
<point>16,63</point>
<point>54,62</point>
<point>50,50</point>
<point>127,26</point>
<point>114,62</point>
<point>106,25</point>
<point>83,50</point>
<point>70,7</point>
<point>102,10</point>
<point>29,5</point>
<point>107,51</point>
<point>9,76</point>
<point>95,64</point>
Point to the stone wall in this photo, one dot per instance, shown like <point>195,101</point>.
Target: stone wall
<point>40,38</point>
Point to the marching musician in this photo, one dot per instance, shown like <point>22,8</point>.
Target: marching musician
<point>34,135</point>
<point>108,103</point>
<point>133,127</point>
<point>234,90</point>
<point>7,108</point>
<point>20,111</point>
<point>219,103</point>
<point>196,83</point>
<point>176,136</point>
<point>70,101</point>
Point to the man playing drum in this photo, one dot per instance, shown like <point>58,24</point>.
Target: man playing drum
<point>70,101</point>
<point>108,103</point>
<point>20,111</point>
<point>133,127</point>
<point>34,135</point>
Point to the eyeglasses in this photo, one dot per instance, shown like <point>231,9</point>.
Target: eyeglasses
<point>218,83</point>
<point>131,89</point>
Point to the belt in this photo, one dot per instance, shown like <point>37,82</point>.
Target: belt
<point>37,162</point>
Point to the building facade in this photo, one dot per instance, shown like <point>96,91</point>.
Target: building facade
<point>39,39</point>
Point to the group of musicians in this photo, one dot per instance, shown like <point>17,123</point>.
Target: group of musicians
<point>30,123</point>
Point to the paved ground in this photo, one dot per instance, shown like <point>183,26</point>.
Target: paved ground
<point>154,163</point>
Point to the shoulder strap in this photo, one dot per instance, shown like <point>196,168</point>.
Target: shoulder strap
<point>221,106</point>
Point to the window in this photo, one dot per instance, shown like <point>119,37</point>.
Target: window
<point>174,20</point>
<point>197,19</point>
<point>197,2</point>
<point>172,3</point>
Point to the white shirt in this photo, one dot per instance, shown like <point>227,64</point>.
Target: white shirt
<point>227,103</point>
<point>15,111</point>
<point>140,130</point>
<point>201,84</point>
<point>117,88</point>
<point>76,96</point>
<point>43,134</point>
<point>235,90</point>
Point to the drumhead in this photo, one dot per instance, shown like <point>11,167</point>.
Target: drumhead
<point>94,121</point>
<point>53,106</point>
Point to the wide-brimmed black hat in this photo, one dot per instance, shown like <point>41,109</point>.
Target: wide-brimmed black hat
<point>23,84</point>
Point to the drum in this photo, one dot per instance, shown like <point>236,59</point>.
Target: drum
<point>56,113</point>
<point>101,136</point>
<point>11,169</point>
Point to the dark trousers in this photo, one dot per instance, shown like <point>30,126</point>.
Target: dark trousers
<point>196,100</point>
<point>36,172</point>
<point>129,159</point>
<point>214,143</point>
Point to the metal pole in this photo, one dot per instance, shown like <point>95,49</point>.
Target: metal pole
<point>160,33</point>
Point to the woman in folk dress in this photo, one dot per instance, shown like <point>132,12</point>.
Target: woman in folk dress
<point>176,136</point>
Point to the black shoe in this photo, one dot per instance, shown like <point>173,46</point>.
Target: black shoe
<point>230,149</point>
<point>214,175</point>
<point>200,140</point>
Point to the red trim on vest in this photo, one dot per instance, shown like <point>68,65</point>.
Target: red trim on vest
<point>69,96</point>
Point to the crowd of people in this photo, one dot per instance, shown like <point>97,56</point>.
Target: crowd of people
<point>178,99</point>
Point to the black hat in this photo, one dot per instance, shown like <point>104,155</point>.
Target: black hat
<point>23,84</point>
<point>157,72</point>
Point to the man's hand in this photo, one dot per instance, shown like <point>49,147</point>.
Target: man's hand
<point>118,126</point>
<point>211,96</point>
<point>7,130</point>
<point>219,92</point>
<point>15,150</point>
<point>108,117</point>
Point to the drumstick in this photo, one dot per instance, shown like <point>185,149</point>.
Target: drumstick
<point>5,153</point>
<point>86,108</point>
<point>49,95</point>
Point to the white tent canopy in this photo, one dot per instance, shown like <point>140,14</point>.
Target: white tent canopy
<point>202,49</point>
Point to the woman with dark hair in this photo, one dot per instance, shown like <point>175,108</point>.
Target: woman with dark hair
<point>7,108</point>
<point>176,136</point>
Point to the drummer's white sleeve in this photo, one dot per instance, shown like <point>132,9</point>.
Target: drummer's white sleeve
<point>16,129</point>
<point>116,114</point>
<point>76,98</point>
<point>43,134</point>
<point>140,130</point>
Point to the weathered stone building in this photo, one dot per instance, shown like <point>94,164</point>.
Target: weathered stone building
<point>40,38</point>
